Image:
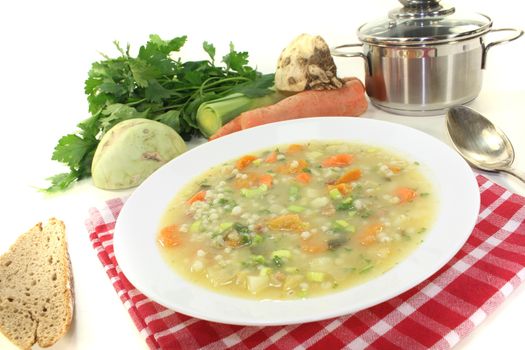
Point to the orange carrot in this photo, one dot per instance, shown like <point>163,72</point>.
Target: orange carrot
<point>294,148</point>
<point>314,246</point>
<point>251,180</point>
<point>405,194</point>
<point>343,188</point>
<point>369,234</point>
<point>337,160</point>
<point>289,169</point>
<point>199,196</point>
<point>303,178</point>
<point>244,161</point>
<point>232,126</point>
<point>395,169</point>
<point>287,222</point>
<point>348,100</point>
<point>170,236</point>
<point>300,167</point>
<point>271,158</point>
<point>266,179</point>
<point>349,176</point>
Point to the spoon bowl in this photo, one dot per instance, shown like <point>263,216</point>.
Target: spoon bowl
<point>480,142</point>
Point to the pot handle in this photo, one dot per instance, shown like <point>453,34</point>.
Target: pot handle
<point>517,33</point>
<point>336,51</point>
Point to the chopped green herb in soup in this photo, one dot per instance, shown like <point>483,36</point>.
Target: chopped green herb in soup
<point>297,221</point>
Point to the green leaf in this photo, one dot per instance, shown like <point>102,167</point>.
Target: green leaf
<point>257,88</point>
<point>278,261</point>
<point>91,84</point>
<point>118,112</point>
<point>156,49</point>
<point>155,39</point>
<point>62,181</point>
<point>235,60</point>
<point>89,128</point>
<point>210,50</point>
<point>170,118</point>
<point>98,102</point>
<point>142,72</point>
<point>110,87</point>
<point>240,228</point>
<point>71,149</point>
<point>194,77</point>
<point>167,46</point>
<point>84,169</point>
<point>189,113</point>
<point>155,92</point>
<point>344,206</point>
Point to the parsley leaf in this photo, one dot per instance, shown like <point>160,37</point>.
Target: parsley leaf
<point>236,61</point>
<point>210,50</point>
<point>155,92</point>
<point>257,88</point>
<point>277,261</point>
<point>70,150</point>
<point>241,228</point>
<point>118,112</point>
<point>170,118</point>
<point>62,181</point>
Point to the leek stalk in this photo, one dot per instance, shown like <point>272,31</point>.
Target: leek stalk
<point>213,114</point>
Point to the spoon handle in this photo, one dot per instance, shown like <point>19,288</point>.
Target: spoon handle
<point>517,173</point>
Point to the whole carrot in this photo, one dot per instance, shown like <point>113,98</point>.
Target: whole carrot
<point>347,101</point>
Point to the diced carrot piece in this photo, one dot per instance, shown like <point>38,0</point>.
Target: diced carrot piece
<point>338,160</point>
<point>349,176</point>
<point>170,236</point>
<point>250,181</point>
<point>271,158</point>
<point>244,161</point>
<point>295,148</point>
<point>395,169</point>
<point>314,246</point>
<point>303,178</point>
<point>289,169</point>
<point>405,194</point>
<point>299,168</point>
<point>369,234</point>
<point>287,222</point>
<point>266,179</point>
<point>199,196</point>
<point>343,188</point>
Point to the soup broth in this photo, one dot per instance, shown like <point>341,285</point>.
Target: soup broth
<point>297,220</point>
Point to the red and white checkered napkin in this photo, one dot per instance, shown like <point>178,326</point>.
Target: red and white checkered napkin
<point>437,314</point>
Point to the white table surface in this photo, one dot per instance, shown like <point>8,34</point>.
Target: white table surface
<point>47,48</point>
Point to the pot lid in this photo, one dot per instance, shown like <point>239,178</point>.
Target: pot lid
<point>424,22</point>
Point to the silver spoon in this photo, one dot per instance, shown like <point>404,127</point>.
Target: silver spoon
<point>480,142</point>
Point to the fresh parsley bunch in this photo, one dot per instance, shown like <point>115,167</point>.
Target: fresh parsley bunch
<point>155,86</point>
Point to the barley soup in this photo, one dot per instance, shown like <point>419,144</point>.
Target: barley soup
<point>297,220</point>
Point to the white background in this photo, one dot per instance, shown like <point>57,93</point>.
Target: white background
<point>46,50</point>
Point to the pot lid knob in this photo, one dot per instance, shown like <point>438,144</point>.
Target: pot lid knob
<point>420,9</point>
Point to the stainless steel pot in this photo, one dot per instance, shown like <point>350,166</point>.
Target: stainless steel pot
<point>424,58</point>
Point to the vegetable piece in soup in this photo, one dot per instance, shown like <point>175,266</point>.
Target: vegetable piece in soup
<point>297,220</point>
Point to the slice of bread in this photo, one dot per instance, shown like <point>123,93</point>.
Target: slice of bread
<point>36,287</point>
